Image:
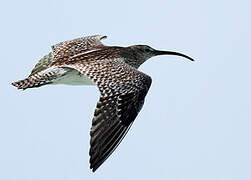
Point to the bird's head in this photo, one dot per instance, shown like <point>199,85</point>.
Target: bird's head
<point>144,52</point>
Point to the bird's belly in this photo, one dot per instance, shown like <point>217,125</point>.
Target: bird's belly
<point>73,77</point>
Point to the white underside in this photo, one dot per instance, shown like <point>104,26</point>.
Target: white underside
<point>73,77</point>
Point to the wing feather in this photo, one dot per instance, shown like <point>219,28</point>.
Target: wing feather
<point>64,50</point>
<point>122,93</point>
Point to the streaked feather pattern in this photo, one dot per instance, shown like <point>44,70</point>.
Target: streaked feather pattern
<point>86,61</point>
<point>123,90</point>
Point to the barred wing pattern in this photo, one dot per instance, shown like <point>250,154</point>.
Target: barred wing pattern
<point>64,50</point>
<point>123,90</point>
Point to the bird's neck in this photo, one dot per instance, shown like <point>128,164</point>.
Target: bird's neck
<point>131,57</point>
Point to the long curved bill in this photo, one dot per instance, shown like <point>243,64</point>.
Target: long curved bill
<point>173,53</point>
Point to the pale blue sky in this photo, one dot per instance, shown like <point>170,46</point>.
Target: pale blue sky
<point>195,123</point>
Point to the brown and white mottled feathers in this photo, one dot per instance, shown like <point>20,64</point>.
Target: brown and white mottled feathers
<point>40,78</point>
<point>113,69</point>
<point>63,50</point>
<point>41,75</point>
<point>123,89</point>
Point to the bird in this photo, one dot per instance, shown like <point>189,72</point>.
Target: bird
<point>114,70</point>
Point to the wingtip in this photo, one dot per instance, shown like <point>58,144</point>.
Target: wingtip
<point>94,165</point>
<point>93,169</point>
<point>102,37</point>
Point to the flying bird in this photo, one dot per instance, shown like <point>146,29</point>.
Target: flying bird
<point>114,70</point>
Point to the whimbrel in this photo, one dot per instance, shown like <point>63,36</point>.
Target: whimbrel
<point>86,61</point>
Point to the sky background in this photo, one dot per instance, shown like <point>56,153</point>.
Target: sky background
<point>196,120</point>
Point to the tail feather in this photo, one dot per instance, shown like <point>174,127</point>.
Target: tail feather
<point>39,79</point>
<point>30,83</point>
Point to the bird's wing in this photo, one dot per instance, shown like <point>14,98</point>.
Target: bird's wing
<point>42,64</point>
<point>123,90</point>
<point>64,50</point>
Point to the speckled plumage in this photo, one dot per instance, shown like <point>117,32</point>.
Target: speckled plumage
<point>113,69</point>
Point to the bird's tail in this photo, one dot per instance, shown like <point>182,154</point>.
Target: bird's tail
<point>39,79</point>
<point>30,82</point>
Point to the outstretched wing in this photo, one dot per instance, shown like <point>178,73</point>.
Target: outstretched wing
<point>64,50</point>
<point>123,90</point>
